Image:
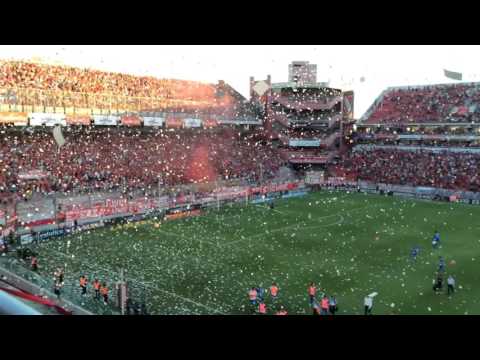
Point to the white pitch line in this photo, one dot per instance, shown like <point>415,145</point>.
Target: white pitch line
<point>187,300</point>
<point>145,284</point>
<point>293,225</point>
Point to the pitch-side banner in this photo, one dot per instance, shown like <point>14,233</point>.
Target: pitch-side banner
<point>192,123</point>
<point>40,119</point>
<point>131,120</point>
<point>153,121</point>
<point>209,123</point>
<point>78,120</point>
<point>305,143</point>
<point>105,120</point>
<point>173,122</point>
<point>33,175</point>
<point>15,118</point>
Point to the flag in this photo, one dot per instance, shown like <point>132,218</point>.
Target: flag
<point>452,75</point>
<point>58,136</point>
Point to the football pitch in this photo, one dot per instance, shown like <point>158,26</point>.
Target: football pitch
<point>349,244</point>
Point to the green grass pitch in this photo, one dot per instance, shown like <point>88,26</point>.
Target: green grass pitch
<point>350,244</point>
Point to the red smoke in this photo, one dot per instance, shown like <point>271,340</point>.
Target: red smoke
<point>199,166</point>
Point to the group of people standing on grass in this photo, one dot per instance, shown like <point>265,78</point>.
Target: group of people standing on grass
<point>256,296</point>
<point>100,289</point>
<point>323,306</point>
<point>438,282</point>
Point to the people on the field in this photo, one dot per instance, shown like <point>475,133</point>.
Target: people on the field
<point>325,305</point>
<point>436,240</point>
<point>104,292</point>
<point>368,304</point>
<point>282,311</point>
<point>414,252</point>
<point>252,296</point>
<point>83,284</point>
<point>441,264</point>
<point>438,285</point>
<point>450,285</point>
<point>315,305</point>
<point>332,305</point>
<point>274,291</point>
<point>34,263</point>
<point>57,287</point>
<point>312,291</point>
<point>260,293</point>
<point>96,287</point>
<point>262,308</point>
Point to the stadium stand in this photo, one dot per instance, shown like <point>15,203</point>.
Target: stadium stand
<point>40,87</point>
<point>445,103</point>
<point>104,159</point>
<point>447,170</point>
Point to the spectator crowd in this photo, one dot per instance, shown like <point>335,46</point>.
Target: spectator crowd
<point>448,170</point>
<point>107,159</point>
<point>36,84</point>
<point>428,104</point>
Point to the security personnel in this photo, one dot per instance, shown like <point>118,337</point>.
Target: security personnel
<point>274,291</point>
<point>96,287</point>
<point>34,263</point>
<point>104,292</point>
<point>324,305</point>
<point>262,308</point>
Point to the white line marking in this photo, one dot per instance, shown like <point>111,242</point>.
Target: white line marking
<point>304,227</point>
<point>140,282</point>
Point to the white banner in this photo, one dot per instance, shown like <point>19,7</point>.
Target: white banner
<point>33,175</point>
<point>58,136</point>
<point>306,143</point>
<point>192,123</point>
<point>105,120</point>
<point>153,121</point>
<point>40,119</point>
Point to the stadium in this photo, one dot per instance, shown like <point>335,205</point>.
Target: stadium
<point>135,195</point>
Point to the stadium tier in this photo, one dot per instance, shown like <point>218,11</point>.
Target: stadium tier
<point>34,87</point>
<point>305,117</point>
<point>446,103</point>
<point>105,159</point>
<point>416,167</point>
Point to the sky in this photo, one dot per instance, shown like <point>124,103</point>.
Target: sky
<point>367,70</point>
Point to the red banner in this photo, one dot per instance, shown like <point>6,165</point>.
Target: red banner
<point>78,120</point>
<point>111,207</point>
<point>309,160</point>
<point>173,122</point>
<point>131,120</point>
<point>273,188</point>
<point>209,123</point>
<point>36,299</point>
